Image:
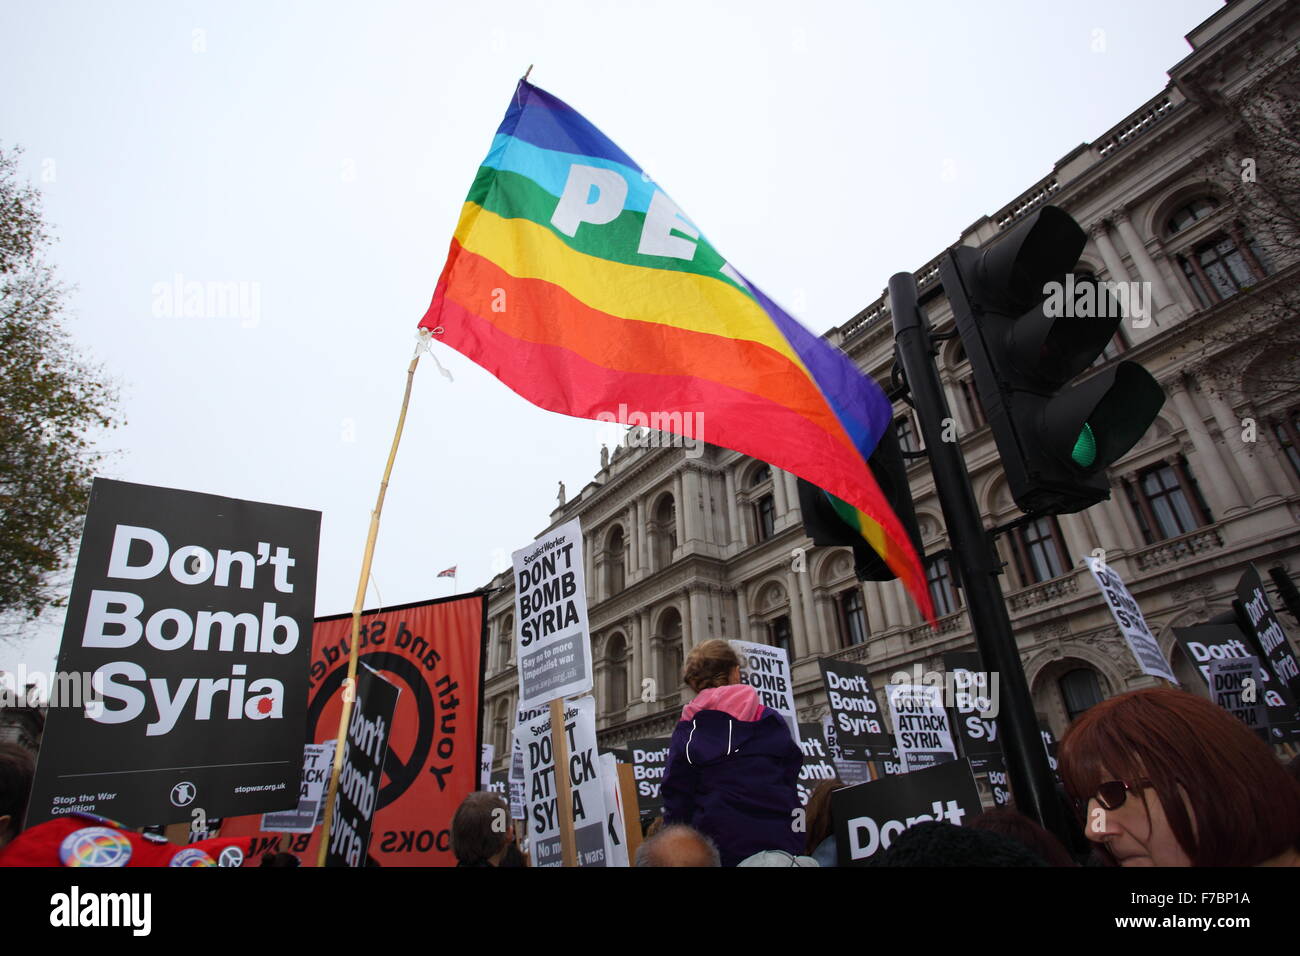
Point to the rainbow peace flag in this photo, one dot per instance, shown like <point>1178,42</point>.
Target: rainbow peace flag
<point>574,279</point>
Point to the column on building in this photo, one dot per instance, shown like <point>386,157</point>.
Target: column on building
<point>1260,488</point>
<point>742,614</point>
<point>735,535</point>
<point>589,562</point>
<point>956,408</point>
<point>633,543</point>
<point>1117,273</point>
<point>826,615</point>
<point>1145,266</point>
<point>809,612</point>
<point>635,665</point>
<point>1119,485</point>
<point>874,604</point>
<point>642,538</point>
<point>648,668</point>
<point>1109,254</point>
<point>1078,543</point>
<point>680,509</point>
<point>689,507</point>
<point>791,489</point>
<point>779,498</point>
<point>893,613</point>
<point>799,645</point>
<point>1218,487</point>
<point>688,630</point>
<point>699,627</point>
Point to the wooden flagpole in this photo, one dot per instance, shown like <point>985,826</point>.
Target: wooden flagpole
<point>563,791</point>
<point>351,682</point>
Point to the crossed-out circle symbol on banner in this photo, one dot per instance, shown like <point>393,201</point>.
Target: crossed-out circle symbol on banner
<point>400,774</point>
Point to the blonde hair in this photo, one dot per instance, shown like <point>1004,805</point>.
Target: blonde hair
<point>709,665</point>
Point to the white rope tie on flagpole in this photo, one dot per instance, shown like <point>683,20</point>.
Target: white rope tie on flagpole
<point>424,343</point>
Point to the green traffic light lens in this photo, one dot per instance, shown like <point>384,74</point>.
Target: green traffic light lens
<point>1085,448</point>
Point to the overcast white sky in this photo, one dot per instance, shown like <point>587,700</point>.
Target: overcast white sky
<point>319,153</point>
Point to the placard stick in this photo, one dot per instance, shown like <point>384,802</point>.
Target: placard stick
<point>346,715</point>
<point>631,810</point>
<point>564,796</point>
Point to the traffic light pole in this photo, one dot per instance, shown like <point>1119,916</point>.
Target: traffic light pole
<point>1027,768</point>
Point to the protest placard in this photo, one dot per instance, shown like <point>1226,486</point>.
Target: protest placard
<point>817,763</point>
<point>615,827</point>
<point>1234,686</point>
<point>316,764</point>
<point>649,761</point>
<point>499,783</point>
<point>518,792</point>
<point>920,725</point>
<point>868,817</point>
<point>543,821</point>
<point>1206,643</point>
<point>364,751</point>
<point>850,772</point>
<point>553,644</point>
<point>190,618</point>
<point>767,670</point>
<point>855,713</point>
<point>1267,631</point>
<point>974,709</point>
<point>433,651</point>
<point>1131,623</point>
<point>487,753</point>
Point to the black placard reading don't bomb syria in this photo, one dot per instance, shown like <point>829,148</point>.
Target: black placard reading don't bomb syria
<point>189,628</point>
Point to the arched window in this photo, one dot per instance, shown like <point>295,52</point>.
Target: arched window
<point>853,620</point>
<point>616,674</point>
<point>943,591</point>
<point>501,728</point>
<point>1079,691</point>
<point>1189,213</point>
<point>780,635</point>
<point>671,658</point>
<point>761,474</point>
<point>665,531</point>
<point>615,563</point>
<point>1217,267</point>
<point>506,642</point>
<point>1167,502</point>
<point>764,518</point>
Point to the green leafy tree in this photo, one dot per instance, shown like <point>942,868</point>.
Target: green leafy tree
<point>52,407</point>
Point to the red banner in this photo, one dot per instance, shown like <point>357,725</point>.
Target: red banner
<point>433,651</point>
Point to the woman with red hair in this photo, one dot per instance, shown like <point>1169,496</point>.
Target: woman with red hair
<point>1169,779</point>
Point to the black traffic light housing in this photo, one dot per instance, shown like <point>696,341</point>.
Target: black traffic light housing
<point>823,524</point>
<point>1026,340</point>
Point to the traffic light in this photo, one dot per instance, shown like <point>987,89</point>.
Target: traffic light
<point>823,523</point>
<point>1030,327</point>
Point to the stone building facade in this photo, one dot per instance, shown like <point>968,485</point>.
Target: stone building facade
<point>685,544</point>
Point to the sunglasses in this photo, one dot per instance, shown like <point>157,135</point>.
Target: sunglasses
<point>1112,794</point>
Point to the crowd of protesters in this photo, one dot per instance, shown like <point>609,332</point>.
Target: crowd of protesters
<point>1157,777</point>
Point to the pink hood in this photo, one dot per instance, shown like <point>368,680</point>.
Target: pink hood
<point>739,700</point>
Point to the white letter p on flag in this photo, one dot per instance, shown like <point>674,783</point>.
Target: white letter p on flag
<point>577,205</point>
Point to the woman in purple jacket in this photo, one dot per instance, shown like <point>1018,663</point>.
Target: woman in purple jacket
<point>732,765</point>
